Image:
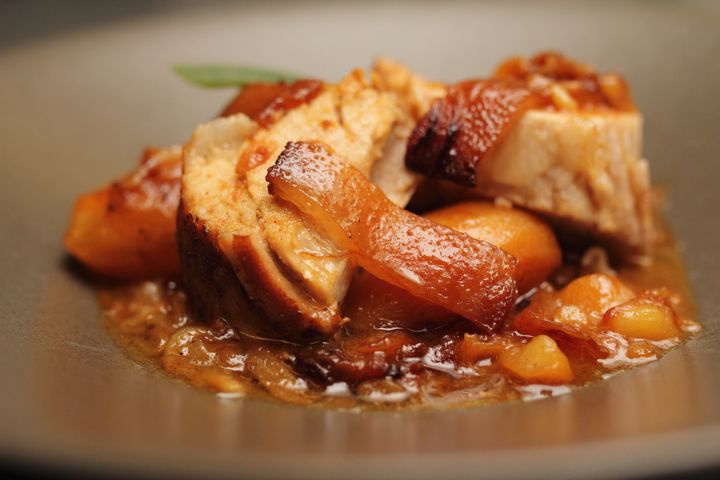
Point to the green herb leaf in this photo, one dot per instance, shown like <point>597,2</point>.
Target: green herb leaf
<point>217,76</point>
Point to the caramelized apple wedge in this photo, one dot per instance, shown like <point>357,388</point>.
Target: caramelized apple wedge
<point>472,278</point>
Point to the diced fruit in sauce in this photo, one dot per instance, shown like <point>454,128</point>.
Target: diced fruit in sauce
<point>593,294</point>
<point>576,309</point>
<point>647,316</point>
<point>538,361</point>
<point>519,233</point>
<point>479,347</point>
<point>572,315</point>
<point>469,277</point>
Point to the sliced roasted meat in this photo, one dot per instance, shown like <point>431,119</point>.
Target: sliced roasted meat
<point>470,277</point>
<point>413,95</point>
<point>296,277</point>
<point>549,135</point>
<point>582,170</point>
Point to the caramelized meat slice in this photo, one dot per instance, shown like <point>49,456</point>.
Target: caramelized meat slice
<point>253,99</point>
<point>525,237</point>
<point>549,135</point>
<point>127,229</point>
<point>469,277</point>
<point>461,129</point>
<point>292,274</point>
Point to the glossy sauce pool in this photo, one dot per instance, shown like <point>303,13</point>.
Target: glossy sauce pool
<point>370,366</point>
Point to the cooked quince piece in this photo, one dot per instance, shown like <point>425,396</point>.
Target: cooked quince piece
<point>127,229</point>
<point>521,234</point>
<point>538,361</point>
<point>648,316</point>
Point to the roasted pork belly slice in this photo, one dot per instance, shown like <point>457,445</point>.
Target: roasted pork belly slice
<point>470,277</point>
<point>295,276</point>
<point>548,135</point>
<point>583,172</point>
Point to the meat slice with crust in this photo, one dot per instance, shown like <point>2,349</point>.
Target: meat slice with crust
<point>236,239</point>
<point>549,135</point>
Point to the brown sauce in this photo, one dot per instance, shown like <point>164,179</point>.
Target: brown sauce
<point>369,363</point>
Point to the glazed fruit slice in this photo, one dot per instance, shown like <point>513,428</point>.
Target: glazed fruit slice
<point>472,278</point>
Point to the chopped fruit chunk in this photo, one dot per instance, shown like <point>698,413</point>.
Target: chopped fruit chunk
<point>576,310</point>
<point>127,229</point>
<point>476,347</point>
<point>593,294</point>
<point>573,314</point>
<point>647,316</point>
<point>538,361</point>
<point>519,233</point>
<point>469,277</point>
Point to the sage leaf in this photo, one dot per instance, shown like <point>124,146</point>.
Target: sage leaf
<point>219,76</point>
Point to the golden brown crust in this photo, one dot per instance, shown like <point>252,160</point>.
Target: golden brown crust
<point>462,128</point>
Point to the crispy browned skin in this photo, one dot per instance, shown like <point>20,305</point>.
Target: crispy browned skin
<point>127,229</point>
<point>253,99</point>
<point>265,102</point>
<point>469,277</point>
<point>462,128</point>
